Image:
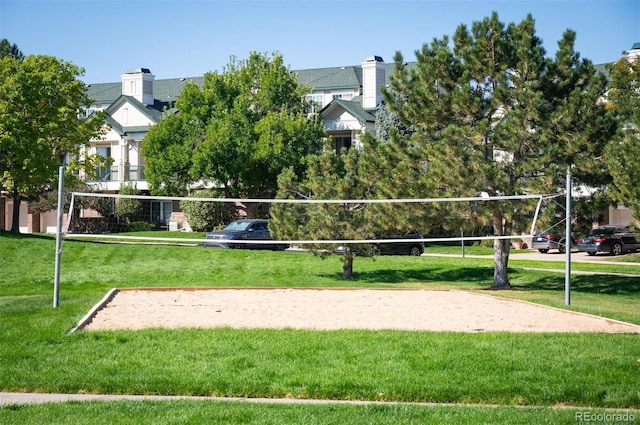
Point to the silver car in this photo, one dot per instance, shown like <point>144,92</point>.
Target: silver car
<point>544,242</point>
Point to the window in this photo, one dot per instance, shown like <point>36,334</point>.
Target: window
<point>161,212</point>
<point>343,95</point>
<point>342,142</point>
<point>260,226</point>
<point>104,151</point>
<point>315,102</point>
<point>105,173</point>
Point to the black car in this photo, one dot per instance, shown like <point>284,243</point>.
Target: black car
<point>544,242</point>
<point>245,230</point>
<point>614,240</point>
<point>408,247</point>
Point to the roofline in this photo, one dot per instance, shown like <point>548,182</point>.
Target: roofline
<point>347,106</point>
<point>136,104</point>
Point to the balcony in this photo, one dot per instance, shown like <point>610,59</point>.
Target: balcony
<point>106,174</point>
<point>112,178</point>
<point>132,173</point>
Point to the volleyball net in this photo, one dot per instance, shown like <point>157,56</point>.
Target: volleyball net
<point>298,222</point>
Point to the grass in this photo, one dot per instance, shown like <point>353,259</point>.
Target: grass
<point>586,371</point>
<point>199,412</point>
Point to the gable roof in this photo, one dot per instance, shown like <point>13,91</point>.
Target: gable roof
<point>353,107</point>
<point>152,113</point>
<point>149,111</point>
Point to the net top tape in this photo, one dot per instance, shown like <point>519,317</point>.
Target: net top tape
<point>313,201</point>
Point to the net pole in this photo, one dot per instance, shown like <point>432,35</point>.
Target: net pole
<point>535,216</point>
<point>567,241</point>
<point>56,278</point>
<point>69,216</point>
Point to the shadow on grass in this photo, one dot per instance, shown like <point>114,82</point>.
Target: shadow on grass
<point>591,284</point>
<point>522,280</point>
<point>478,275</point>
<point>11,235</point>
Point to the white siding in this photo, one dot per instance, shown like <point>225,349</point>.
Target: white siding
<point>127,115</point>
<point>373,78</point>
<point>341,120</point>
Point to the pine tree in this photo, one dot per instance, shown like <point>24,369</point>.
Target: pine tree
<point>493,115</point>
<point>623,161</point>
<point>378,170</point>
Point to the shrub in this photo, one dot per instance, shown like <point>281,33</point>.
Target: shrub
<point>204,216</point>
<point>140,226</point>
<point>128,208</point>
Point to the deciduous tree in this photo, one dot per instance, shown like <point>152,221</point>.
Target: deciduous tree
<point>41,125</point>
<point>237,132</point>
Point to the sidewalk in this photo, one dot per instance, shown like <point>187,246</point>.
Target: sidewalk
<point>576,257</point>
<point>7,398</point>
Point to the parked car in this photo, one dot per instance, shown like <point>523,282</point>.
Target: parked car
<point>544,242</point>
<point>447,237</point>
<point>410,247</point>
<point>614,240</point>
<point>248,229</point>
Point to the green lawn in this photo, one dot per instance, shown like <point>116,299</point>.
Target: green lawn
<point>587,371</point>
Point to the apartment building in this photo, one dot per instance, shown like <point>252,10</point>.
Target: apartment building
<point>346,97</point>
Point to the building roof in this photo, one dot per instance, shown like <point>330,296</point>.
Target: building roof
<point>164,91</point>
<point>354,107</point>
<point>153,113</point>
<point>345,77</point>
<point>167,90</point>
<point>602,68</point>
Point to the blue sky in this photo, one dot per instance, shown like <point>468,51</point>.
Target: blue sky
<point>187,38</point>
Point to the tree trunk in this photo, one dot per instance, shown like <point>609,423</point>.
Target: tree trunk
<point>501,264</point>
<point>347,265</point>
<point>500,253</point>
<point>15,221</point>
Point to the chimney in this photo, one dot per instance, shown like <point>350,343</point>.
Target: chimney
<point>373,77</point>
<point>138,83</point>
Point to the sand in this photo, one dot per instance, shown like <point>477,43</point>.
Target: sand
<point>329,309</point>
